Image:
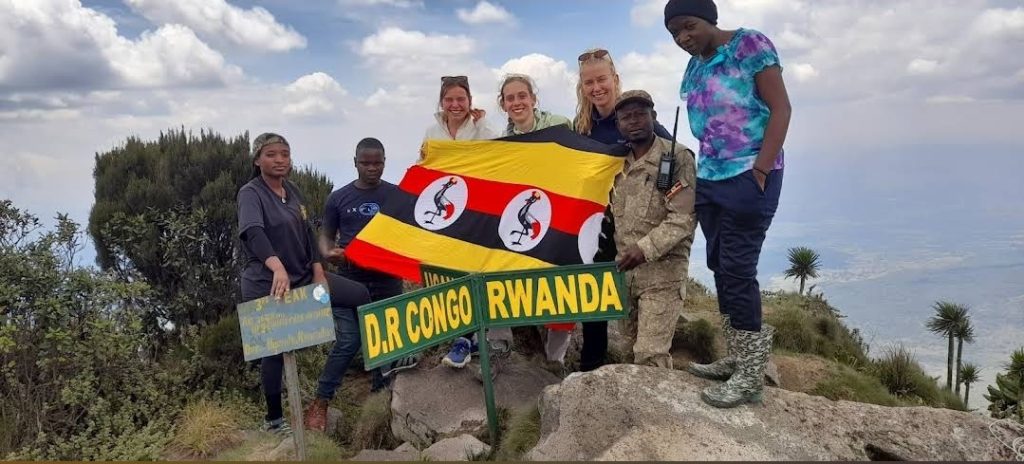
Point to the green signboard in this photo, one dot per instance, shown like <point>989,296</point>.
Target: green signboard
<point>270,326</point>
<point>433,275</point>
<point>586,292</point>
<point>459,303</point>
<point>399,326</point>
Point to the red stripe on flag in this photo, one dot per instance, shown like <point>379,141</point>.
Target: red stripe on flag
<point>568,213</point>
<point>383,260</point>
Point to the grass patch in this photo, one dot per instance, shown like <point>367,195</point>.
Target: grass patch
<point>698,338</point>
<point>817,332</point>
<point>206,427</point>
<point>899,371</point>
<point>698,298</point>
<point>520,436</point>
<point>373,427</point>
<point>321,448</point>
<point>848,384</point>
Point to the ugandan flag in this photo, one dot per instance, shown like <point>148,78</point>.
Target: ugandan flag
<point>523,202</point>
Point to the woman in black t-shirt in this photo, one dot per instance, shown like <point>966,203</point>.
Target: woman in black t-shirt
<point>281,252</point>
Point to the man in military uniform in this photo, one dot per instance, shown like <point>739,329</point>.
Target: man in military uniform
<point>654,228</point>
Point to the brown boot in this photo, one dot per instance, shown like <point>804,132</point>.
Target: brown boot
<point>315,417</point>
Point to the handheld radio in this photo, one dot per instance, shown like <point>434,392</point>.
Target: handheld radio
<point>667,165</point>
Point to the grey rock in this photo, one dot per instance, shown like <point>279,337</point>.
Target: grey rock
<point>334,417</point>
<point>626,412</point>
<point>385,455</point>
<point>460,448</point>
<point>430,405</point>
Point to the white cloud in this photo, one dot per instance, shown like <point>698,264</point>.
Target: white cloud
<point>394,41</point>
<point>485,12</point>
<point>945,99</point>
<point>254,28</point>
<point>313,94</point>
<point>173,54</point>
<point>394,3</point>
<point>401,97</point>
<point>804,72</point>
<point>59,44</point>
<point>647,13</point>
<point>401,56</point>
<point>922,66</point>
<point>1000,23</point>
<point>853,43</point>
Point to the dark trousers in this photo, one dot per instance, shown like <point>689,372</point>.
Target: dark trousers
<point>346,295</point>
<point>380,287</point>
<point>734,215</point>
<point>595,334</point>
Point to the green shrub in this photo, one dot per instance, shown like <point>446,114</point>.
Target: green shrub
<point>373,428</point>
<point>698,338</point>
<point>817,332</point>
<point>848,384</point>
<point>520,436</point>
<point>206,427</point>
<point>898,371</point>
<point>903,376</point>
<point>74,360</point>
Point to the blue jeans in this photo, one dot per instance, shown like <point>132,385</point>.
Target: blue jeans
<point>734,215</point>
<point>346,333</point>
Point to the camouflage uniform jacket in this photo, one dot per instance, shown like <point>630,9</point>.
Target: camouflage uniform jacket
<point>662,225</point>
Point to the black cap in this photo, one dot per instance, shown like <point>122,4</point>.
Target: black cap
<point>703,9</point>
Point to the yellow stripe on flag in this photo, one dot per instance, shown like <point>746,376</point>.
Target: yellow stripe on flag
<point>438,250</point>
<point>545,165</point>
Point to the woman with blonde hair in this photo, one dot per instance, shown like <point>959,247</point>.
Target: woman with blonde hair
<point>597,90</point>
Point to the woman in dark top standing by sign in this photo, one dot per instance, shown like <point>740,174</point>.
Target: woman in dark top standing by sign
<point>281,252</point>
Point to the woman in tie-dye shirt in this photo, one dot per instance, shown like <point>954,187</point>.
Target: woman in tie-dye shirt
<point>739,111</point>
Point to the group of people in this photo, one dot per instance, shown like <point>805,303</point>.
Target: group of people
<point>738,110</point>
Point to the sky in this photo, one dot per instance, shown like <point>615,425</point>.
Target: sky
<point>903,155</point>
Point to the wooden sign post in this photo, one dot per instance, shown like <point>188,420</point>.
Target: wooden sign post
<point>291,380</point>
<point>270,326</point>
<point>457,304</point>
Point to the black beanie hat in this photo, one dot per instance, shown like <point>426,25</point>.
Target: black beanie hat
<point>704,9</point>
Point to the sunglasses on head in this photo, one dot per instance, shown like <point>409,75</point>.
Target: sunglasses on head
<point>455,79</point>
<point>596,54</point>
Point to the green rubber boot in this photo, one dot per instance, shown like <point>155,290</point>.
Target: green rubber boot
<point>747,383</point>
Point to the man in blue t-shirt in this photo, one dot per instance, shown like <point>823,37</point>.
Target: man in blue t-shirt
<point>347,211</point>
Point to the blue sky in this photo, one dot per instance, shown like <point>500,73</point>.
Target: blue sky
<point>903,157</point>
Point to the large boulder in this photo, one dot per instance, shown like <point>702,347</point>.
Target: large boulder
<point>626,412</point>
<point>429,405</point>
<point>460,448</point>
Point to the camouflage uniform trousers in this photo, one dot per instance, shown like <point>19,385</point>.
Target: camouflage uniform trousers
<point>656,306</point>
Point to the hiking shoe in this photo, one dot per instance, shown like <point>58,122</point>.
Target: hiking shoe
<point>723,368</point>
<point>278,427</point>
<point>460,354</point>
<point>747,384</point>
<point>407,362</point>
<point>315,417</point>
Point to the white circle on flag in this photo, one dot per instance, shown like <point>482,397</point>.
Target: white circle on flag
<point>525,221</point>
<point>589,234</point>
<point>441,203</point>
